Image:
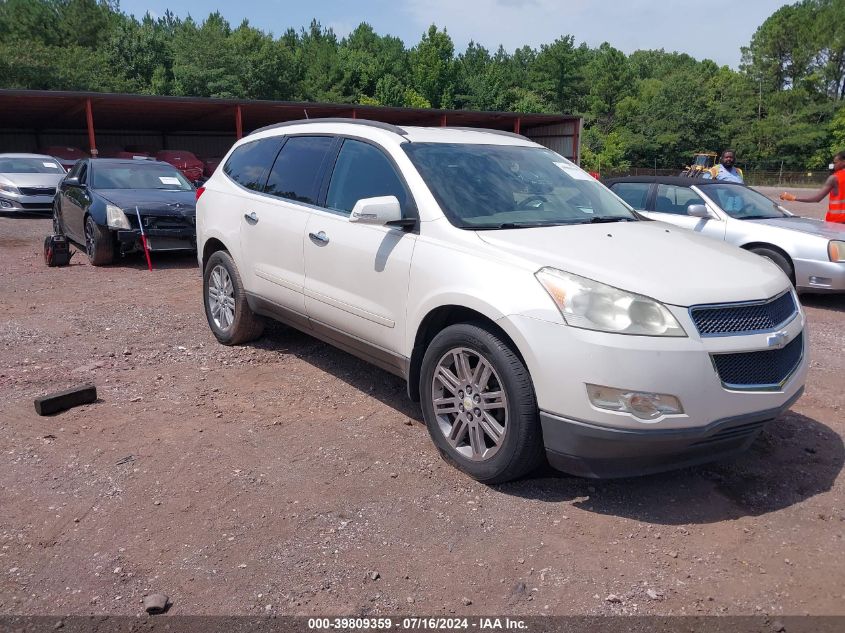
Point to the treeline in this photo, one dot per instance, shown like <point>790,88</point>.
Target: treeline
<point>649,108</point>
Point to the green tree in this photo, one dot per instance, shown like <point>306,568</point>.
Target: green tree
<point>432,66</point>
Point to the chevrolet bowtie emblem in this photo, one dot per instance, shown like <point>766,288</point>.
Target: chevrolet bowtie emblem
<point>777,340</point>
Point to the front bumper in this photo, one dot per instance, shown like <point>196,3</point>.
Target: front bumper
<point>584,439</point>
<point>158,239</point>
<point>818,276</point>
<point>26,204</point>
<point>589,450</point>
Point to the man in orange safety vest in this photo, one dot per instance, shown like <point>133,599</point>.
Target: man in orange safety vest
<point>834,186</point>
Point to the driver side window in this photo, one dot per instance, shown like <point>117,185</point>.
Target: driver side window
<point>675,200</point>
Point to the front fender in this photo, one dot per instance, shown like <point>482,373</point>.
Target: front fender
<point>97,210</point>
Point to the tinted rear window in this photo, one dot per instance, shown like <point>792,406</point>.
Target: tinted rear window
<point>248,165</point>
<point>296,173</point>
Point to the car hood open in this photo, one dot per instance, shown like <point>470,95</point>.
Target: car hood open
<point>650,258</point>
<point>152,201</point>
<point>827,230</point>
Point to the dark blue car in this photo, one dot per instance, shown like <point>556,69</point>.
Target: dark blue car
<point>99,202</point>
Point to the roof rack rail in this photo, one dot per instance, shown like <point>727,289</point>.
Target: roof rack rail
<point>383,126</point>
<point>489,130</point>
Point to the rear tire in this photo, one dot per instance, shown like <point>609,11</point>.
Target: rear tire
<point>226,308</point>
<point>479,405</point>
<point>777,258</point>
<point>99,243</point>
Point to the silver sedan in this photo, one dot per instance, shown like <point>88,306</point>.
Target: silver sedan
<point>28,182</point>
<point>811,252</point>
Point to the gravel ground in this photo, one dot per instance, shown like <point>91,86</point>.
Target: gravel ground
<point>288,477</point>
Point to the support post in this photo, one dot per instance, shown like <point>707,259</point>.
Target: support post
<point>239,123</point>
<point>89,116</point>
<point>442,120</point>
<point>576,141</point>
<point>517,125</point>
<point>354,113</point>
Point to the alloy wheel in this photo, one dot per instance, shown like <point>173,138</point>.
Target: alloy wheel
<point>470,403</point>
<point>221,297</point>
<point>89,240</point>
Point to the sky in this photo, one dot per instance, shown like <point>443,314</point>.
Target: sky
<point>713,29</point>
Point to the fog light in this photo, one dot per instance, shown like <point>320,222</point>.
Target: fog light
<point>5,204</point>
<point>821,281</point>
<point>641,404</point>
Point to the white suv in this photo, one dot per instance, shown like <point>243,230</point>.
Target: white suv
<point>530,310</point>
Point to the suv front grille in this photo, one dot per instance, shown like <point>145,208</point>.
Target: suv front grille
<point>744,318</point>
<point>762,370</point>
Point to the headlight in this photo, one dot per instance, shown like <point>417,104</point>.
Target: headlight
<point>116,218</point>
<point>592,305</point>
<point>9,189</point>
<point>836,251</point>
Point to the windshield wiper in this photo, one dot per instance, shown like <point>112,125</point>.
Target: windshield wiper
<point>513,225</point>
<point>609,218</point>
<point>759,217</point>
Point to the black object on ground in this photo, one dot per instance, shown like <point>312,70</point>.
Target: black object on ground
<point>55,402</point>
<point>57,250</point>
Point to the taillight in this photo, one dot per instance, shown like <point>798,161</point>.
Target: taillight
<point>200,191</point>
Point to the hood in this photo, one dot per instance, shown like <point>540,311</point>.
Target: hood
<point>32,180</point>
<point>158,202</point>
<point>827,230</point>
<point>650,258</point>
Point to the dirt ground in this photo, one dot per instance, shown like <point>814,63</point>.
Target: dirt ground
<point>287,477</point>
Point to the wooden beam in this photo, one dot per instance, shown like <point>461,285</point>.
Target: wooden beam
<point>55,402</point>
<point>239,123</point>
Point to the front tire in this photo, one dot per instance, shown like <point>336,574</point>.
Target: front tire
<point>228,313</point>
<point>479,405</point>
<point>99,243</point>
<point>775,257</point>
<point>58,225</point>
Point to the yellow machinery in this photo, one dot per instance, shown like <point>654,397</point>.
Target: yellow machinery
<point>702,162</point>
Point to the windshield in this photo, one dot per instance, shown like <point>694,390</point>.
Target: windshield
<point>9,165</point>
<point>741,202</point>
<point>506,186</point>
<point>138,175</point>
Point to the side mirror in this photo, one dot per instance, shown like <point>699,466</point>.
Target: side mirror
<point>698,211</point>
<point>381,210</point>
<point>72,181</point>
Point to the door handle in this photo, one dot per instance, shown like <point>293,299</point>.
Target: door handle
<point>320,238</point>
<point>251,217</point>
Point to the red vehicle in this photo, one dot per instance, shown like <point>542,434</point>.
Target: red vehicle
<point>210,164</point>
<point>184,161</point>
<point>67,156</point>
<point>112,151</point>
